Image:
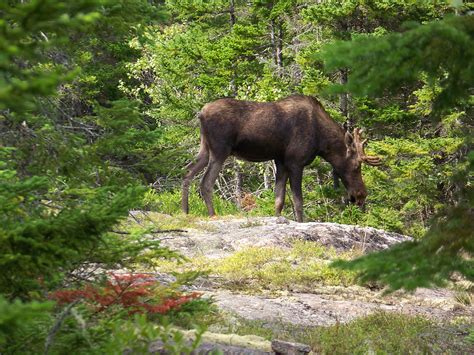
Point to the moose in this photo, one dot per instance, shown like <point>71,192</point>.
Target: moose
<point>291,131</point>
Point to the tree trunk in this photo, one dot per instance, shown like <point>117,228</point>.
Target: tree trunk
<point>268,175</point>
<point>344,97</point>
<point>344,33</point>
<point>276,37</point>
<point>232,13</point>
<point>233,85</point>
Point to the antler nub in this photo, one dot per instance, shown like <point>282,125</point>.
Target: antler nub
<point>359,148</point>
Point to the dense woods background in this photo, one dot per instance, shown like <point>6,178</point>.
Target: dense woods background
<point>98,104</point>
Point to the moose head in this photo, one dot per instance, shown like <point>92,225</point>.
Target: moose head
<point>349,169</point>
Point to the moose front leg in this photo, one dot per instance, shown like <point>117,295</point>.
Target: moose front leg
<point>296,178</point>
<point>280,187</point>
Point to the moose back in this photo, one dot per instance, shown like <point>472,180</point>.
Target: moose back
<point>291,131</point>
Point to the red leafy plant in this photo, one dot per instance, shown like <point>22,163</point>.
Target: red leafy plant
<point>134,292</point>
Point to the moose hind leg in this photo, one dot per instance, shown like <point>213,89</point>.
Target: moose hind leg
<point>193,169</point>
<point>280,187</point>
<point>208,181</point>
<point>296,177</point>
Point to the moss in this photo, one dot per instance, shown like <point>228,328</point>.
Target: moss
<point>306,250</point>
<point>300,267</point>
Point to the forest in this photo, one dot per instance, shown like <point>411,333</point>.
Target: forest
<point>99,103</point>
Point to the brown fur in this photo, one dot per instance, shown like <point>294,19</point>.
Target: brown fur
<point>291,131</point>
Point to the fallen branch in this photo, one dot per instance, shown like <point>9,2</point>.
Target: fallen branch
<point>160,231</point>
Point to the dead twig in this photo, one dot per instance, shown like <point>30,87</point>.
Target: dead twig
<point>154,231</point>
<point>57,326</point>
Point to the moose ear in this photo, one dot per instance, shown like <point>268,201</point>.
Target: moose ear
<point>349,141</point>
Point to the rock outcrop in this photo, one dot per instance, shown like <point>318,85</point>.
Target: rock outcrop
<point>220,238</point>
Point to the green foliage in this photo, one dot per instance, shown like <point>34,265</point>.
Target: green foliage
<point>79,332</point>
<point>72,150</point>
<point>46,223</point>
<point>447,44</point>
<point>37,239</point>
<point>51,19</point>
<point>367,16</point>
<point>137,334</point>
<point>16,316</point>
